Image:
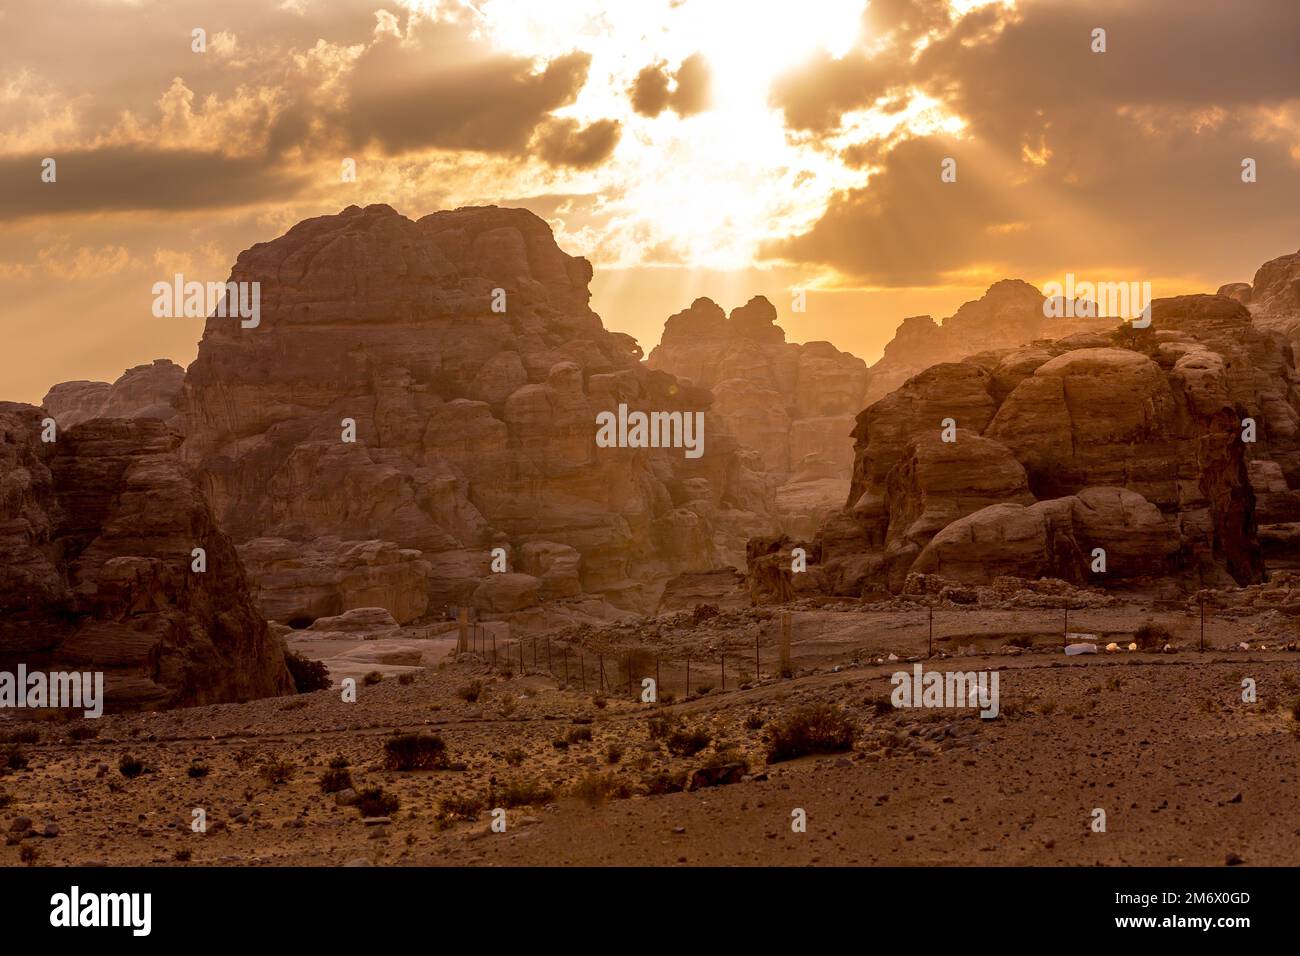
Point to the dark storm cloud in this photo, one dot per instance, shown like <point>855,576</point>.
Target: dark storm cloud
<point>132,178</point>
<point>1072,156</point>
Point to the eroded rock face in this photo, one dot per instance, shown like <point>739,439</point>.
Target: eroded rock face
<point>474,428</point>
<point>97,532</point>
<point>1130,442</point>
<point>792,404</point>
<point>1008,315</point>
<point>146,391</point>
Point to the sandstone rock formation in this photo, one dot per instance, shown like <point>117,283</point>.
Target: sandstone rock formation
<point>97,532</point>
<point>1131,444</point>
<point>474,427</point>
<point>793,404</point>
<point>146,391</point>
<point>1008,315</point>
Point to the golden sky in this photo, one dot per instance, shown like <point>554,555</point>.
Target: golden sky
<point>687,147</point>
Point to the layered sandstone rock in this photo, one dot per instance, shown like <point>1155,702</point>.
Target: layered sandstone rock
<point>146,391</point>
<point>97,538</point>
<point>474,428</point>
<point>1030,462</point>
<point>1008,315</point>
<point>792,404</point>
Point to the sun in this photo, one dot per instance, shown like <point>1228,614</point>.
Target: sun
<point>705,190</point>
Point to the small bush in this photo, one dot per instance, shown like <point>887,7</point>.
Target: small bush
<point>579,735</point>
<point>5,799</point>
<point>130,767</point>
<point>13,758</point>
<point>29,854</point>
<point>377,802</point>
<point>514,757</point>
<point>339,762</point>
<point>84,732</point>
<point>522,793</point>
<point>812,729</point>
<point>471,692</point>
<point>406,678</point>
<point>277,772</point>
<point>1152,636</point>
<point>308,675</point>
<point>880,704</point>
<point>197,770</point>
<point>613,753</point>
<point>599,700</point>
<point>703,690</point>
<point>662,726</point>
<point>371,679</point>
<point>31,736</point>
<point>687,743</point>
<point>596,788</point>
<point>335,779</point>
<point>456,807</point>
<point>183,855</point>
<point>415,752</point>
<point>754,721</point>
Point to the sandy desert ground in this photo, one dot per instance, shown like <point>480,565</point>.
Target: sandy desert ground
<point>1186,772</point>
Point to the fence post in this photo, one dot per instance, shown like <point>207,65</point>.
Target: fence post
<point>1065,637</point>
<point>656,679</point>
<point>931,638</point>
<point>601,658</point>
<point>629,673</point>
<point>582,667</point>
<point>688,677</point>
<point>566,667</point>
<point>785,643</point>
<point>1202,623</point>
<point>462,629</point>
<point>494,647</point>
<point>723,658</point>
<point>523,668</point>
<point>756,667</point>
<point>548,654</point>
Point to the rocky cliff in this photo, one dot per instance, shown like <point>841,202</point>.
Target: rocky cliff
<point>146,391</point>
<point>1158,451</point>
<point>97,535</point>
<point>793,404</point>
<point>419,393</point>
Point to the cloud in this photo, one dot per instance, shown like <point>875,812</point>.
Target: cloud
<point>122,178</point>
<point>563,142</point>
<point>685,92</point>
<point>1129,156</point>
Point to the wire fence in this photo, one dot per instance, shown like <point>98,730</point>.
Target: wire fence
<point>911,634</point>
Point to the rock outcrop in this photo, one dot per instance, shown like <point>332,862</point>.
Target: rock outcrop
<point>146,391</point>
<point>1116,459</point>
<point>460,352</point>
<point>1008,315</point>
<point>98,531</point>
<point>793,404</point>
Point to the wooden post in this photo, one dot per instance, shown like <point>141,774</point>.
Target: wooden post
<point>1202,623</point>
<point>786,620</point>
<point>931,638</point>
<point>1065,638</point>
<point>523,669</point>
<point>656,678</point>
<point>756,671</point>
<point>566,667</point>
<point>601,658</point>
<point>629,673</point>
<point>462,629</point>
<point>688,677</point>
<point>494,647</point>
<point>582,666</point>
<point>723,658</point>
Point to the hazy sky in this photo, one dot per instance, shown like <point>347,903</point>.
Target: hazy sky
<point>687,147</point>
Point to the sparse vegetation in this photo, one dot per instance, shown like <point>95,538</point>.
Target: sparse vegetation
<point>183,855</point>
<point>415,752</point>
<point>613,753</point>
<point>514,757</point>
<point>1152,636</point>
<point>811,729</point>
<point>130,767</point>
<point>371,679</point>
<point>335,779</point>
<point>687,743</point>
<point>29,854</point>
<point>26,736</point>
<point>596,788</point>
<point>579,735</point>
<point>308,675</point>
<point>277,772</point>
<point>377,802</point>
<point>457,807</point>
<point>471,692</point>
<point>197,770</point>
<point>12,758</point>
<point>83,732</point>
<point>521,793</point>
<point>406,678</point>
